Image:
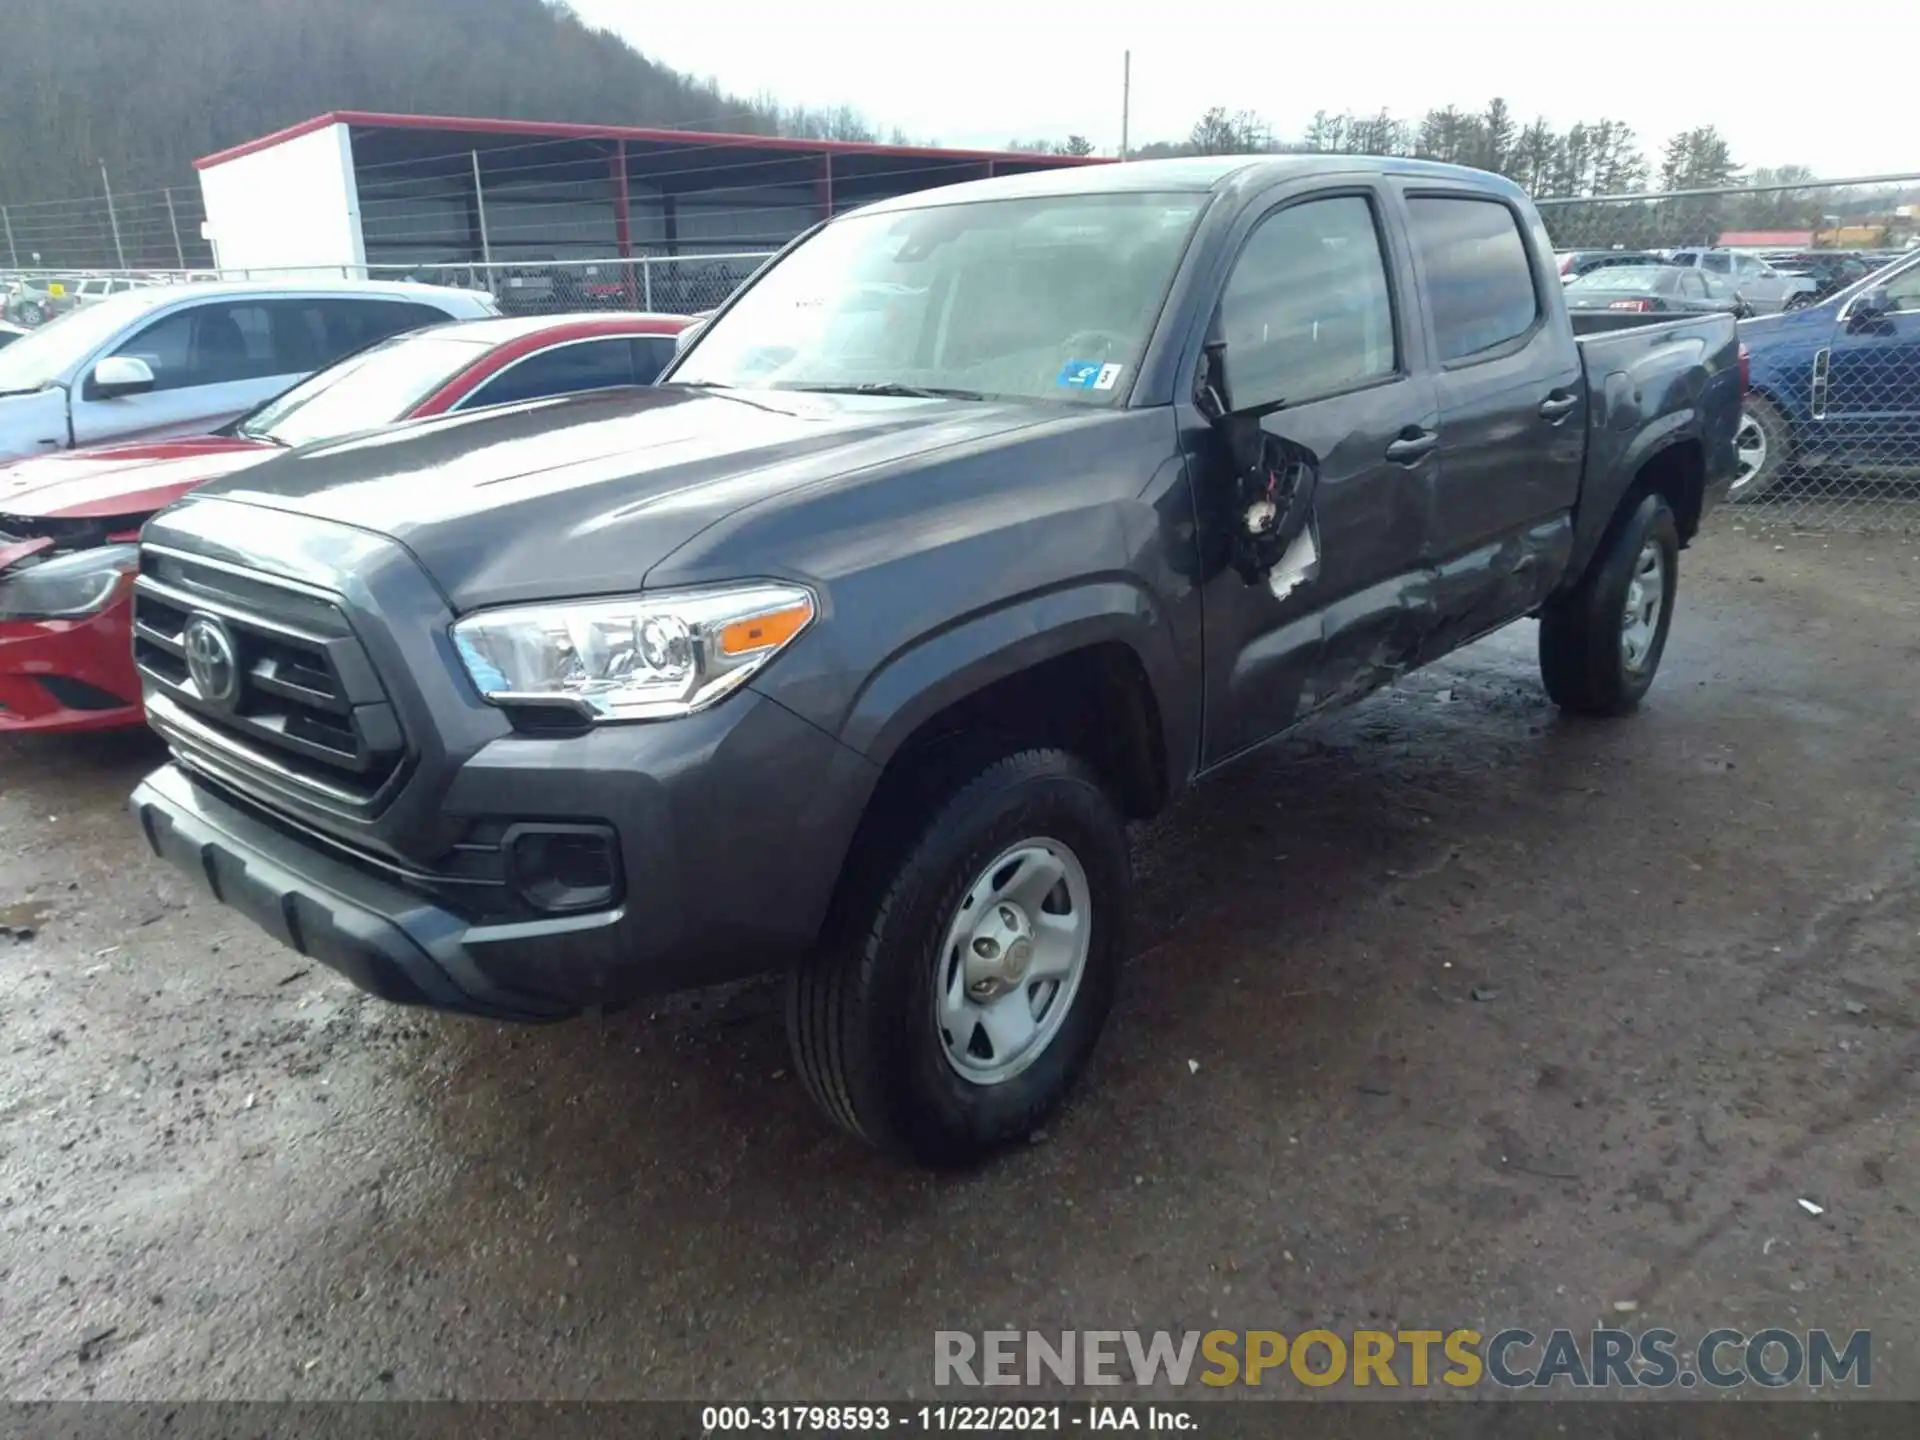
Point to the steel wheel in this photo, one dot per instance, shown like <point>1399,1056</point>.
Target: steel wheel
<point>1750,446</point>
<point>1012,960</point>
<point>1640,620</point>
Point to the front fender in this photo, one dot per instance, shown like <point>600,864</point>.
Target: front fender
<point>938,669</point>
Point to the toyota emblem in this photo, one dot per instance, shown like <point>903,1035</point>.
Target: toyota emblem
<point>211,661</point>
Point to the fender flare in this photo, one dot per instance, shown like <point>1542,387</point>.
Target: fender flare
<point>1593,520</point>
<point>943,666</point>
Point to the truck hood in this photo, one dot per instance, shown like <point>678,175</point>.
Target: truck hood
<point>585,494</point>
<point>121,480</point>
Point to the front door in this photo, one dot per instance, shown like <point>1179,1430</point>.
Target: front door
<point>1310,316</point>
<point>211,362</point>
<point>1873,380</point>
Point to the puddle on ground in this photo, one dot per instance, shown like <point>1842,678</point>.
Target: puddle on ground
<point>27,915</point>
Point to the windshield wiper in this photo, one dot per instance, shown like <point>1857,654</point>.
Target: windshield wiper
<point>887,387</point>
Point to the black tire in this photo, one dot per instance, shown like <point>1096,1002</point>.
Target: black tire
<point>1763,415</point>
<point>1799,300</point>
<point>861,1010</point>
<point>1583,656</point>
<point>32,313</point>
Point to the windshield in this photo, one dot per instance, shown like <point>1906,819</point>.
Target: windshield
<point>373,387</point>
<point>1639,279</point>
<point>50,352</point>
<point>1049,298</point>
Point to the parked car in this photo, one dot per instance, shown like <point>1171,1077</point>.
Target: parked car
<point>65,608</point>
<point>1574,263</point>
<point>95,288</point>
<point>855,660</point>
<point>177,360</point>
<point>1830,270</point>
<point>32,300</point>
<point>1837,382</point>
<point>9,334</point>
<point>1665,289</point>
<point>1766,289</point>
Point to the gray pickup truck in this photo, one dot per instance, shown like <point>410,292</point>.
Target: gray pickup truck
<point>979,523</point>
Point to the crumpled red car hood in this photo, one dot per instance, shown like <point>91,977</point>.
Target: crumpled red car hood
<point>121,480</point>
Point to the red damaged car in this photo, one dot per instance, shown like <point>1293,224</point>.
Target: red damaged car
<point>68,521</point>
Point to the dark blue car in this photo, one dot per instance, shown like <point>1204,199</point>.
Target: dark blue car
<point>1837,382</point>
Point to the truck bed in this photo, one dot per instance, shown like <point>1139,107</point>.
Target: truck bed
<point>1649,378</point>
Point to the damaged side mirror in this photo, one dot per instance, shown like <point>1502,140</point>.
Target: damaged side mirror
<point>1274,479</point>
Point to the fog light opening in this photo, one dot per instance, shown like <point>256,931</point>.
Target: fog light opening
<point>562,868</point>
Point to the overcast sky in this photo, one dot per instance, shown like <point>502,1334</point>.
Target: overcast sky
<point>991,70</point>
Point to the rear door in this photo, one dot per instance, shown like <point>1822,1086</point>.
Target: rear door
<point>1873,379</point>
<point>1512,404</point>
<point>1313,314</point>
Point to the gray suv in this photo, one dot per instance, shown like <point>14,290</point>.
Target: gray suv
<point>1766,289</point>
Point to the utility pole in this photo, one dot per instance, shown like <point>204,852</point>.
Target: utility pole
<point>13,255</point>
<point>119,252</point>
<point>1126,98</point>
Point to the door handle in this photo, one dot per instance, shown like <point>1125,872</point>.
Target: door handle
<point>1557,407</point>
<point>1413,446</point>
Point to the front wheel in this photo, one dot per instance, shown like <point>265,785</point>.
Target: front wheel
<point>1799,301</point>
<point>953,1006</point>
<point>1601,644</point>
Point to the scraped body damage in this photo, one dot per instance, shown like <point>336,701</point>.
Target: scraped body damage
<point>1344,647</point>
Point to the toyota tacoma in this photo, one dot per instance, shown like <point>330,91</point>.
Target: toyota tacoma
<point>978,523</point>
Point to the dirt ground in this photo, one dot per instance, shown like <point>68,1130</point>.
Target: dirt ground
<point>1449,1012</point>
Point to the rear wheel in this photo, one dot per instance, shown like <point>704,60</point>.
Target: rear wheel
<point>1600,646</point>
<point>1764,448</point>
<point>952,1008</point>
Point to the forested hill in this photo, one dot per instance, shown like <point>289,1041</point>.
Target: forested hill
<point>149,85</point>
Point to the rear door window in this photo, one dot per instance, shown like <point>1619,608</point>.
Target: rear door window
<point>651,354</point>
<point>563,370</point>
<point>1478,275</point>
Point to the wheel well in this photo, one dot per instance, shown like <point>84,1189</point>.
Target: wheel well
<point>1679,473</point>
<point>1095,702</point>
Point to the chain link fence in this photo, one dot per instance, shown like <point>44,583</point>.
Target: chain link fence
<point>1830,275</point>
<point>660,284</point>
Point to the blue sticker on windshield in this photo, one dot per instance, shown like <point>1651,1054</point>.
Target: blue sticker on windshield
<point>1079,374</point>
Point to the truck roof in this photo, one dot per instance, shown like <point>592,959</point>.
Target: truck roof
<point>1197,173</point>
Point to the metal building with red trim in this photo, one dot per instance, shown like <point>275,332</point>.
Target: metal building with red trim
<point>353,189</point>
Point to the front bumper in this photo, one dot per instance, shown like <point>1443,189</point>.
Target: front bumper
<point>59,676</point>
<point>731,826</point>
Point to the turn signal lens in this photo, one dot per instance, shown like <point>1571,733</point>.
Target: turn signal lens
<point>765,632</point>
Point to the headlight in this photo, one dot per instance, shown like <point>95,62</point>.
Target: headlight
<point>68,588</point>
<point>643,657</point>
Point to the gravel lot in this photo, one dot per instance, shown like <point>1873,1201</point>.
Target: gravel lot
<point>1691,937</point>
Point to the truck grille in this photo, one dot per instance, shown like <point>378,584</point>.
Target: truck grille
<point>263,683</point>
